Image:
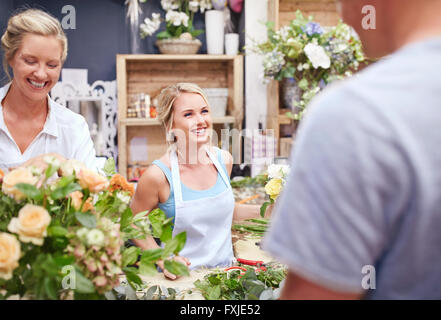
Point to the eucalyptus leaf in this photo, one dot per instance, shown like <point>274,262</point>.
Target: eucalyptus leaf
<point>30,191</point>
<point>176,268</point>
<point>147,269</point>
<point>87,220</point>
<point>82,284</point>
<point>152,255</point>
<point>130,256</point>
<point>109,168</point>
<point>57,231</point>
<point>64,191</point>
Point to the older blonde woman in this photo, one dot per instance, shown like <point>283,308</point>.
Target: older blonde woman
<point>31,124</point>
<point>190,182</point>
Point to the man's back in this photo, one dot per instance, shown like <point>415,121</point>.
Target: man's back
<point>365,188</point>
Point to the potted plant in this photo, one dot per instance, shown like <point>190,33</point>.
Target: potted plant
<point>179,36</point>
<point>308,56</point>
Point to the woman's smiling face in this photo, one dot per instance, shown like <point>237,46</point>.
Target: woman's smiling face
<point>36,66</point>
<point>191,115</point>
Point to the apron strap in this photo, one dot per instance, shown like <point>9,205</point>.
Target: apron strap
<point>175,176</point>
<point>219,168</point>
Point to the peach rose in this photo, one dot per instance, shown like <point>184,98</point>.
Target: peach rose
<point>77,200</point>
<point>2,174</point>
<point>31,224</point>
<point>14,177</point>
<point>118,182</point>
<point>9,255</point>
<point>93,181</point>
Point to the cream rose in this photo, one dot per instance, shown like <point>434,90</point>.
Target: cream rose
<point>93,181</point>
<point>14,177</point>
<point>71,166</point>
<point>31,224</point>
<point>9,255</point>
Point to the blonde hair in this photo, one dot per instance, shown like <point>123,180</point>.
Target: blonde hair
<point>167,98</point>
<point>30,21</point>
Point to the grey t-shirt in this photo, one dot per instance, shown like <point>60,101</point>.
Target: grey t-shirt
<point>365,182</point>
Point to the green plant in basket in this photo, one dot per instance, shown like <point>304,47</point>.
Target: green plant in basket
<point>63,230</point>
<point>178,20</point>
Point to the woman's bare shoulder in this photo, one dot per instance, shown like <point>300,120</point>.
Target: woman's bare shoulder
<point>153,176</point>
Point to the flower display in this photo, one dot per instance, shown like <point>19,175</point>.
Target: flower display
<point>178,19</point>
<point>78,221</point>
<point>312,55</point>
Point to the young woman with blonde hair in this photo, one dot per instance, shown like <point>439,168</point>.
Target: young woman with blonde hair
<point>190,182</point>
<point>31,124</point>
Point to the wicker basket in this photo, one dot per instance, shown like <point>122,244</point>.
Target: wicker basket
<point>178,46</point>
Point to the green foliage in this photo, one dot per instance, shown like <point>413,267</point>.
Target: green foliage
<point>238,285</point>
<point>258,181</point>
<point>109,167</point>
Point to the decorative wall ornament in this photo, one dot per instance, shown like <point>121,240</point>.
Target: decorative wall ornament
<point>104,92</point>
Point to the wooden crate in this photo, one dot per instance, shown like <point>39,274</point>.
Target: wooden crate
<point>151,73</point>
<point>281,12</point>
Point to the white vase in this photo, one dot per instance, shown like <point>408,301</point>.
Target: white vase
<point>231,43</point>
<point>214,30</point>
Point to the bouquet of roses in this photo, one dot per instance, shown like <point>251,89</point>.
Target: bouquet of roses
<point>63,231</point>
<point>277,174</point>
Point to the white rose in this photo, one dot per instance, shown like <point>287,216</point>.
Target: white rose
<point>31,224</point>
<point>278,171</point>
<point>193,6</point>
<point>14,177</point>
<point>317,55</point>
<point>9,255</point>
<point>95,237</point>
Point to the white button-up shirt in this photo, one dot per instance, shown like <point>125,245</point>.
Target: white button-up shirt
<point>65,132</point>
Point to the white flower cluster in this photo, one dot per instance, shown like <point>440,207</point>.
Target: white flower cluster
<point>205,5</point>
<point>150,26</point>
<point>168,5</point>
<point>317,55</point>
<point>177,18</point>
<point>278,171</point>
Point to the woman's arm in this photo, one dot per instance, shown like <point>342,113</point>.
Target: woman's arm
<point>146,198</point>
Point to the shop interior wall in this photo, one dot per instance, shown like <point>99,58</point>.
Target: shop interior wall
<point>101,32</point>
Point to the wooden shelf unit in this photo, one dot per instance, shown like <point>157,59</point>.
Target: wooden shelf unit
<point>150,73</point>
<point>282,12</point>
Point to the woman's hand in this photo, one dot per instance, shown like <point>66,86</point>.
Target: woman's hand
<point>167,273</point>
